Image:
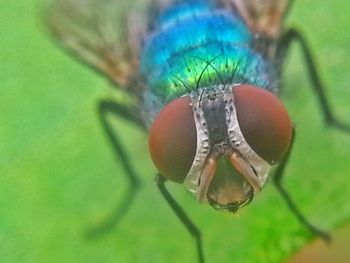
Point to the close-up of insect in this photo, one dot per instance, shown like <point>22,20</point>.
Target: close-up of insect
<point>203,77</point>
<point>174,131</point>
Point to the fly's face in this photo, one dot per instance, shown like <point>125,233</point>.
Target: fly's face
<point>221,142</point>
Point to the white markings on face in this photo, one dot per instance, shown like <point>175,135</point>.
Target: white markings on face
<point>234,146</point>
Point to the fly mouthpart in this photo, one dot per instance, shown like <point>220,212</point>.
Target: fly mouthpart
<point>246,170</point>
<point>234,206</point>
<point>206,178</point>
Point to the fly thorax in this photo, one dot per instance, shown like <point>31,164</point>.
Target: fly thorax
<point>219,136</point>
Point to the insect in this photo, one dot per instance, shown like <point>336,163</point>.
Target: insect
<point>204,76</point>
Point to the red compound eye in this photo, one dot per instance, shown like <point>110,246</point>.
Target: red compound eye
<point>173,140</point>
<point>264,122</point>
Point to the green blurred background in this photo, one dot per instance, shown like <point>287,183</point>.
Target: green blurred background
<point>58,175</point>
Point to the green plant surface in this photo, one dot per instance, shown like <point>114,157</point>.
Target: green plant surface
<point>59,175</point>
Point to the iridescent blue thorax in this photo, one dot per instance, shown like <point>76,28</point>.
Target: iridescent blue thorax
<point>195,44</point>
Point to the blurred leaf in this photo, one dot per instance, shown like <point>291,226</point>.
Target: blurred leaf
<point>59,176</point>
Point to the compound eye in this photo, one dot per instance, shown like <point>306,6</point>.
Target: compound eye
<point>173,140</point>
<point>264,122</point>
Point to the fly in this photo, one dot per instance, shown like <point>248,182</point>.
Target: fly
<point>204,76</point>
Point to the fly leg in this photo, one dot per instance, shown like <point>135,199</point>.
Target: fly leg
<point>106,107</point>
<point>291,36</point>
<point>191,228</point>
<point>277,180</point>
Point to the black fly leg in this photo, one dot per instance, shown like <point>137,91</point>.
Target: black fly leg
<point>277,180</point>
<point>291,36</point>
<point>104,108</point>
<point>191,228</point>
